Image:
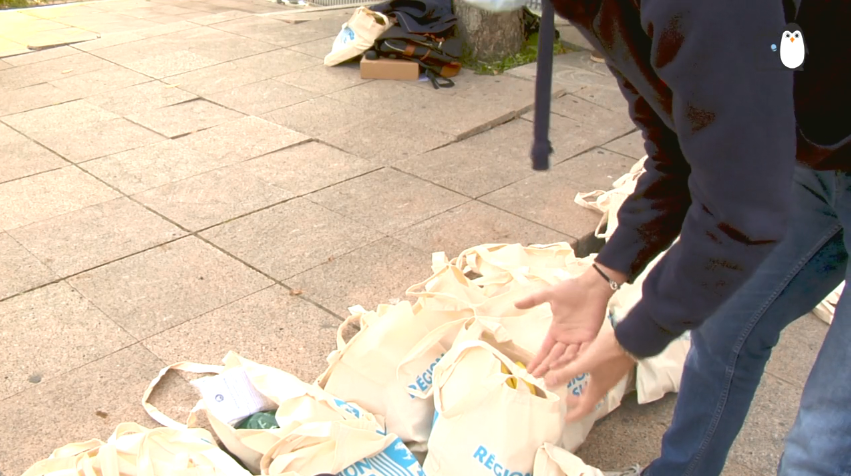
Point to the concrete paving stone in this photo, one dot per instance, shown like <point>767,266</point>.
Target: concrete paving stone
<point>308,167</point>
<point>472,224</point>
<point>251,23</point>
<point>39,56</point>
<point>477,165</point>
<point>514,93</point>
<point>594,124</point>
<point>104,26</point>
<point>158,10</point>
<point>569,34</point>
<point>39,197</point>
<point>9,135</point>
<point>262,97</point>
<point>387,200</point>
<point>88,402</point>
<point>54,329</point>
<point>290,238</point>
<point>242,139</point>
<point>89,237</point>
<point>184,118</point>
<point>220,17</point>
<point>143,300</point>
<point>595,169</point>
<point>218,78</point>
<point>795,354</point>
<point>582,60</point>
<point>547,199</point>
<point>311,117</point>
<point>53,38</point>
<point>278,62</point>
<point>324,80</point>
<point>630,145</point>
<point>183,17</point>
<point>218,45</point>
<point>65,116</point>
<point>458,116</point>
<point>36,25</point>
<point>318,48</point>
<point>170,64</point>
<point>386,139</point>
<point>330,25</point>
<point>271,31</point>
<point>635,430</point>
<point>103,80</point>
<point>108,39</point>
<point>376,274</point>
<point>4,65</point>
<point>212,198</point>
<point>152,166</point>
<point>760,443</point>
<point>19,269</point>
<point>50,70</point>
<point>10,48</point>
<point>23,157</point>
<point>390,96</point>
<point>33,97</point>
<point>140,98</point>
<point>609,97</point>
<point>128,52</point>
<point>313,14</point>
<point>57,11</point>
<point>271,327</point>
<point>98,139</point>
<point>573,71</point>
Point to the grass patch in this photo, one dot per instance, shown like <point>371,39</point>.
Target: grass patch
<point>529,54</point>
<point>6,4</point>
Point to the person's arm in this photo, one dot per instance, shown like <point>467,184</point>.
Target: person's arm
<point>650,219</point>
<point>735,126</point>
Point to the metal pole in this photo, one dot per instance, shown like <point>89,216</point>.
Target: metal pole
<point>541,147</point>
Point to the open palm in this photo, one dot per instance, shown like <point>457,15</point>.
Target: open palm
<point>579,307</point>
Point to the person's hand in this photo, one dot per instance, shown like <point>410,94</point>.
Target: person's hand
<point>579,307</point>
<point>606,362</point>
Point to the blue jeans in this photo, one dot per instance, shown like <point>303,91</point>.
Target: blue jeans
<point>730,350</point>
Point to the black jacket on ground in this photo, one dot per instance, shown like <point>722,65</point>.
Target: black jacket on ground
<point>720,117</point>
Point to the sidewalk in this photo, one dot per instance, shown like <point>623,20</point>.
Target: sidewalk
<point>197,181</point>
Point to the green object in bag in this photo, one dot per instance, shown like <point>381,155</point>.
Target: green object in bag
<point>259,421</point>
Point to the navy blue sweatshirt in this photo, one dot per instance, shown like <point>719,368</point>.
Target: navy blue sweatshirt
<point>718,114</point>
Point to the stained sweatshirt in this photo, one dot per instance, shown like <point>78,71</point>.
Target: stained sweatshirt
<point>724,124</point>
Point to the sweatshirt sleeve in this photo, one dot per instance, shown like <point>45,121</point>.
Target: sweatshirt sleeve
<point>735,127</point>
<point>650,219</point>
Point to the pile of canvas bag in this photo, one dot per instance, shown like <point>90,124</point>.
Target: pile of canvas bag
<point>436,387</point>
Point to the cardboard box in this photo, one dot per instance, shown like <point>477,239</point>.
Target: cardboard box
<point>385,68</point>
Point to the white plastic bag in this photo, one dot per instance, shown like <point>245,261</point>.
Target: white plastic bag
<point>357,35</point>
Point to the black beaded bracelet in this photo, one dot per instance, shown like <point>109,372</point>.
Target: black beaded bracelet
<point>612,283</point>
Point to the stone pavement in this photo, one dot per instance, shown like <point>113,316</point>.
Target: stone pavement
<point>178,191</point>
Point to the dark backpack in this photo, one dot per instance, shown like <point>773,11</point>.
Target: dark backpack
<point>438,57</point>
